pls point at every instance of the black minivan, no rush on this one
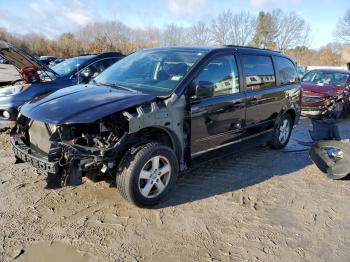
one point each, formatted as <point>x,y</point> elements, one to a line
<point>147,117</point>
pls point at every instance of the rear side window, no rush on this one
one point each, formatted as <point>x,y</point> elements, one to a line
<point>285,70</point>
<point>258,72</point>
<point>222,72</point>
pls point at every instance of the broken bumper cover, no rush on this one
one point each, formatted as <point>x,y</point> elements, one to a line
<point>35,158</point>
<point>314,111</point>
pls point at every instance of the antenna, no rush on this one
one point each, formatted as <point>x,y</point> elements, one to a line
<point>76,65</point>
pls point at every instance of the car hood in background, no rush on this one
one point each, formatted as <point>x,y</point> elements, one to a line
<point>19,58</point>
<point>82,104</point>
<point>322,90</point>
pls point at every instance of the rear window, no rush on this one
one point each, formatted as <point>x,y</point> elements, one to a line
<point>285,70</point>
<point>258,72</point>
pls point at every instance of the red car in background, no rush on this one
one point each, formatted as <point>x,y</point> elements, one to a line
<point>325,92</point>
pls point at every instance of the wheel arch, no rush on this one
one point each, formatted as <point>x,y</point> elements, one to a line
<point>163,136</point>
<point>292,114</point>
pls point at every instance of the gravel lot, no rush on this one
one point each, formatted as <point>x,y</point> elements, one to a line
<point>246,204</point>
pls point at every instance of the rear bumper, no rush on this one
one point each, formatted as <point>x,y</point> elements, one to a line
<point>35,158</point>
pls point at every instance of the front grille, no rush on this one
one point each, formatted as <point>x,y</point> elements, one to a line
<point>312,99</point>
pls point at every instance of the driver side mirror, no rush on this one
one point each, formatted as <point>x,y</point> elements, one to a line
<point>204,89</point>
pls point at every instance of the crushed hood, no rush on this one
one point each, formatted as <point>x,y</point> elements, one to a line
<point>19,58</point>
<point>322,90</point>
<point>82,104</point>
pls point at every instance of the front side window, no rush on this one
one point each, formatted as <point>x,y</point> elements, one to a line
<point>223,73</point>
<point>98,67</point>
<point>285,70</point>
<point>150,71</point>
<point>258,72</point>
<point>70,66</point>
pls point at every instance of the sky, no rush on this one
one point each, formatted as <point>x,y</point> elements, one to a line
<point>50,17</point>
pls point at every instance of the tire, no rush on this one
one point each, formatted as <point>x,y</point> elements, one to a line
<point>339,110</point>
<point>140,179</point>
<point>280,140</point>
<point>18,160</point>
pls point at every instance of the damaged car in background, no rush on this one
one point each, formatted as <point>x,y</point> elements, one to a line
<point>325,93</point>
<point>36,78</point>
<point>145,118</point>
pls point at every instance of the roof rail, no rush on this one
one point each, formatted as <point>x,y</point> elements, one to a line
<point>109,52</point>
<point>251,47</point>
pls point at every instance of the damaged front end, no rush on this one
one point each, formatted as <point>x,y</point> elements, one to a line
<point>70,150</point>
<point>74,150</point>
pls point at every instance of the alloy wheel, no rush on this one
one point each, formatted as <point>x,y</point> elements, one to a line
<point>154,176</point>
<point>284,131</point>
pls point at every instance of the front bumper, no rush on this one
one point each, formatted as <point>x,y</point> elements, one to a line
<point>35,158</point>
<point>314,111</point>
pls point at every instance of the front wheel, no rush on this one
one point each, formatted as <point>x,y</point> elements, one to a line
<point>339,110</point>
<point>282,132</point>
<point>147,174</point>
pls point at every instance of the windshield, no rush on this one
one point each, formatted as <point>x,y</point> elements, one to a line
<point>70,65</point>
<point>326,78</point>
<point>150,71</point>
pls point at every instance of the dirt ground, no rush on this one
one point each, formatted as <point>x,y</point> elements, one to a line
<point>247,204</point>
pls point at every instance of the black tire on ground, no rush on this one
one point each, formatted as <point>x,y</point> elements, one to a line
<point>18,160</point>
<point>284,123</point>
<point>339,110</point>
<point>53,181</point>
<point>129,180</point>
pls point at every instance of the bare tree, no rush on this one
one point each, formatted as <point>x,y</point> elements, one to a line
<point>68,45</point>
<point>242,28</point>
<point>199,34</point>
<point>36,43</point>
<point>342,31</point>
<point>220,28</point>
<point>111,35</point>
<point>174,35</point>
<point>292,30</point>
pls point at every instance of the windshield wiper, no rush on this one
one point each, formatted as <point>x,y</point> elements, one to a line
<point>115,85</point>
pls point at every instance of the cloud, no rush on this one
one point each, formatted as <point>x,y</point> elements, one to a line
<point>187,9</point>
<point>273,3</point>
<point>74,11</point>
<point>78,15</point>
<point>48,17</point>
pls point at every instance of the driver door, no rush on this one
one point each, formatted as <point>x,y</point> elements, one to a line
<point>219,119</point>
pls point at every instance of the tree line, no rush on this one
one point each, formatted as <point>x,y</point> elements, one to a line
<point>286,32</point>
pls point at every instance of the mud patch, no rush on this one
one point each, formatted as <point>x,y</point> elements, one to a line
<point>54,252</point>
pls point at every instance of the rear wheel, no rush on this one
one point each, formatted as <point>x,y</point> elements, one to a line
<point>282,132</point>
<point>147,174</point>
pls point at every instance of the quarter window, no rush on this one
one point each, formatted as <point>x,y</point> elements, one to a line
<point>223,73</point>
<point>285,70</point>
<point>258,72</point>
